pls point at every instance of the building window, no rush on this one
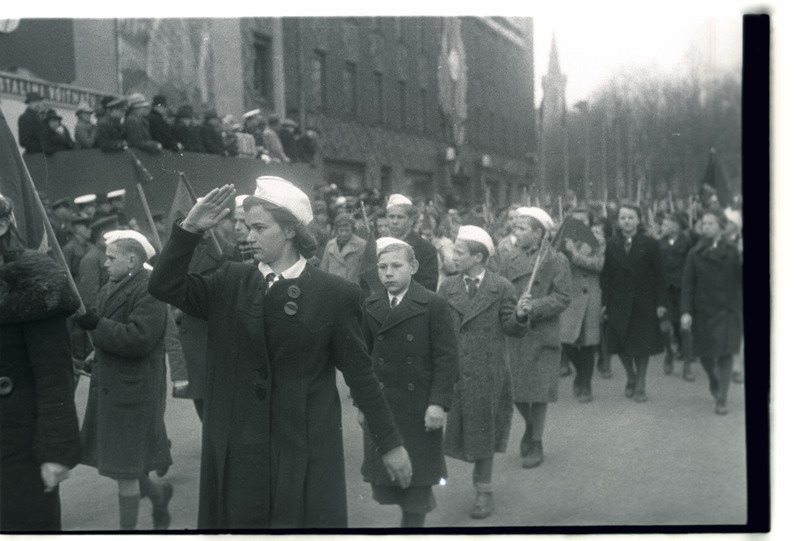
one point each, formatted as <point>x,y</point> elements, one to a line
<point>262,69</point>
<point>403,105</point>
<point>318,82</point>
<point>349,89</point>
<point>379,109</point>
<point>425,124</point>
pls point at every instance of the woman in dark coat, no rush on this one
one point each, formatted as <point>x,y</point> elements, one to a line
<point>123,432</point>
<point>712,304</point>
<point>38,423</point>
<point>272,453</point>
<point>633,298</point>
<point>55,136</point>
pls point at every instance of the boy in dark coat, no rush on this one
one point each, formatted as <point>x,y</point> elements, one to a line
<point>409,333</point>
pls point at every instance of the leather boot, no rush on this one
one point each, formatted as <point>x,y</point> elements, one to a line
<point>484,504</point>
<point>161,517</point>
<point>687,372</point>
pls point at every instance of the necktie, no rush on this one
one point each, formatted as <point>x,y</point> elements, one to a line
<point>628,243</point>
<point>271,278</point>
<point>394,302</point>
<point>471,286</point>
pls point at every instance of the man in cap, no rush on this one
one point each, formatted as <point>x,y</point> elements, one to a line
<point>186,132</point>
<point>78,245</point>
<point>483,308</point>
<point>401,217</point>
<point>272,449</point>
<point>535,357</point>
<point>31,123</point>
<point>87,205</point>
<point>254,125</point>
<point>123,433</point>
<point>272,145</point>
<point>211,134</point>
<point>137,125</point>
<point>343,252</point>
<point>61,219</point>
<point>117,200</point>
<point>91,271</point>
<point>110,131</point>
<point>85,131</point>
<point>55,136</point>
<point>160,128</point>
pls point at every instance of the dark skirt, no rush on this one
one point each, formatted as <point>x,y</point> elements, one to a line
<point>418,500</point>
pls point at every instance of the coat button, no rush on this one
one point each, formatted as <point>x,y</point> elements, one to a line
<point>382,385</point>
<point>409,338</point>
<point>585,290</point>
<point>380,337</point>
<point>409,360</point>
<point>381,360</point>
<point>411,387</point>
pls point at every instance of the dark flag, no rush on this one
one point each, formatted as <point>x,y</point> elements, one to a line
<point>15,184</point>
<point>368,277</point>
<point>574,229</point>
<point>182,203</point>
<point>715,180</point>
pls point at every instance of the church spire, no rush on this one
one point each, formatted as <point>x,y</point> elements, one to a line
<point>554,60</point>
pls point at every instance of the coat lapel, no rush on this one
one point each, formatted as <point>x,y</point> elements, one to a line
<point>519,265</point>
<point>412,305</point>
<point>487,293</point>
<point>118,294</point>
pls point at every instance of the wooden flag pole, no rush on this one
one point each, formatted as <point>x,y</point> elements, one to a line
<point>149,215</point>
<point>365,218</point>
<point>537,265</point>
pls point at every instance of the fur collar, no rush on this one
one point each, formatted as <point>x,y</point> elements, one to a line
<point>33,287</point>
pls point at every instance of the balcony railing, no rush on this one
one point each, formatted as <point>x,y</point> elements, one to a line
<point>56,93</point>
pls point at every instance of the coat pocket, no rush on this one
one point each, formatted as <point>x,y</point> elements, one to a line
<point>130,391</point>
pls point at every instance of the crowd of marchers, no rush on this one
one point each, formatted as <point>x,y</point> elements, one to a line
<point>442,320</point>
<point>117,123</point>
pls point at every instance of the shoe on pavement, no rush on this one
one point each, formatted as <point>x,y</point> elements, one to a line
<point>585,397</point>
<point>483,506</point>
<point>161,516</point>
<point>565,370</point>
<point>535,457</point>
<point>629,389</point>
<point>721,409</point>
<point>668,364</point>
<point>640,396</point>
<point>687,372</point>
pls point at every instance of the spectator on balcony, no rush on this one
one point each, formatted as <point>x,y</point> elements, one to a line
<point>185,132</point>
<point>110,131</point>
<point>307,144</point>
<point>31,124</point>
<point>85,131</point>
<point>289,137</point>
<point>272,145</point>
<point>230,135</point>
<point>160,128</point>
<point>254,125</point>
<point>211,134</point>
<point>137,125</point>
<point>55,137</point>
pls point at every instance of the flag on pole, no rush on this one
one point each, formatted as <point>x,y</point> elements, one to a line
<point>182,203</point>
<point>369,280</point>
<point>15,185</point>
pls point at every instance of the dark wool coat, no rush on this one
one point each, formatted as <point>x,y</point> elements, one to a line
<point>110,135</point>
<point>272,451</point>
<point>92,276</point>
<point>194,331</point>
<point>712,292</point>
<point>212,139</point>
<point>123,432</point>
<point>478,425</point>
<point>188,136</point>
<point>31,128</point>
<point>579,323</point>
<point>415,356</point>
<point>535,357</point>
<point>427,256</point>
<point>38,421</point>
<point>674,256</point>
<point>633,287</point>
<point>54,141</point>
<point>137,134</point>
<point>161,131</point>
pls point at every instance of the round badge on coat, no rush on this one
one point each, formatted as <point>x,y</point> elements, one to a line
<point>291,308</point>
<point>293,292</point>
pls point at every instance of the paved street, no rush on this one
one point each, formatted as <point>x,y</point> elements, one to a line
<point>670,461</point>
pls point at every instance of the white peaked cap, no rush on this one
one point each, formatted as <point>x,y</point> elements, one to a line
<point>83,199</point>
<point>732,215</point>
<point>383,242</point>
<point>116,193</point>
<point>119,234</point>
<point>285,195</point>
<point>476,234</point>
<point>254,112</point>
<point>539,214</point>
<point>398,199</point>
<point>240,200</point>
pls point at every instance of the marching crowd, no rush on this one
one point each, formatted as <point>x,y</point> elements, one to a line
<point>152,126</point>
<point>442,322</point>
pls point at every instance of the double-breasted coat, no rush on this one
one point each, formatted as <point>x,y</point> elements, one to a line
<point>712,292</point>
<point>38,421</point>
<point>674,253</point>
<point>272,453</point>
<point>580,322</point>
<point>345,262</point>
<point>123,433</point>
<point>415,357</point>
<point>535,357</point>
<point>633,287</point>
<point>478,424</point>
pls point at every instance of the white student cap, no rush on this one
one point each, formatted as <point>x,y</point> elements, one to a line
<point>254,112</point>
<point>116,193</point>
<point>397,199</point>
<point>85,199</point>
<point>240,200</point>
<point>539,214</point>
<point>383,242</point>
<point>476,234</point>
<point>113,236</point>
<point>285,195</point>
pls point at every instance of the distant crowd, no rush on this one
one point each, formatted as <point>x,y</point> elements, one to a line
<point>118,123</point>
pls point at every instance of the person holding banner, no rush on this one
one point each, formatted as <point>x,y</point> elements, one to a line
<point>541,278</point>
<point>39,434</point>
<point>633,298</point>
<point>272,452</point>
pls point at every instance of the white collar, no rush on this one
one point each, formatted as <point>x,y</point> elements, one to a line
<point>479,277</point>
<point>293,271</point>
